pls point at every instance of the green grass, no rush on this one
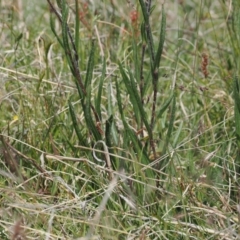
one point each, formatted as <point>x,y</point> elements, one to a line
<point>120,122</point>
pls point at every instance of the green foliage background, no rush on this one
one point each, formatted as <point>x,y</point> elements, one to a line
<point>119,121</point>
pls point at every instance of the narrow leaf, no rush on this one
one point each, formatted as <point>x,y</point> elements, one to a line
<point>164,106</point>
<point>81,139</point>
<point>108,137</point>
<point>236,95</point>
<point>77,23</point>
<point>64,25</point>
<point>136,100</point>
<point>161,42</point>
<point>170,126</point>
<point>88,116</point>
<point>54,31</point>
<point>90,66</point>
<point>130,135</point>
<point>100,88</point>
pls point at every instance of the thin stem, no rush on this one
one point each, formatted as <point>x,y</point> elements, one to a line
<point>142,80</point>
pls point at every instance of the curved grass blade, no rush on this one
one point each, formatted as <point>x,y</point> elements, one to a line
<point>170,129</point>
<point>86,102</point>
<point>80,137</point>
<point>130,136</point>
<point>236,95</point>
<point>144,11</point>
<point>109,99</point>
<point>88,116</point>
<point>161,42</point>
<point>175,141</point>
<point>77,23</point>
<point>64,24</point>
<point>109,123</point>
<point>136,60</point>
<point>134,96</point>
<point>110,112</point>
<point>90,66</point>
<point>171,122</point>
<point>100,87</point>
<point>149,37</point>
<point>164,106</point>
<point>130,86</point>
<point>108,137</point>
<point>54,31</point>
<point>66,46</point>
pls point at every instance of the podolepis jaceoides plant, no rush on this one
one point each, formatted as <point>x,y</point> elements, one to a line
<point>136,82</point>
<point>116,126</point>
<point>142,84</point>
<point>139,137</point>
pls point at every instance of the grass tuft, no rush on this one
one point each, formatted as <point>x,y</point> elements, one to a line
<point>119,121</point>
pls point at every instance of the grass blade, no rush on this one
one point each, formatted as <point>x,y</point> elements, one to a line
<point>66,46</point>
<point>149,37</point>
<point>164,106</point>
<point>88,116</point>
<point>90,67</point>
<point>77,23</point>
<point>54,31</point>
<point>87,106</point>
<point>170,130</point>
<point>161,42</point>
<point>130,135</point>
<point>80,137</point>
<point>236,95</point>
<point>98,100</point>
<point>108,137</point>
<point>171,122</point>
<point>135,98</point>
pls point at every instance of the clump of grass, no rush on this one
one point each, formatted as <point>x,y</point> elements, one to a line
<point>120,122</point>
